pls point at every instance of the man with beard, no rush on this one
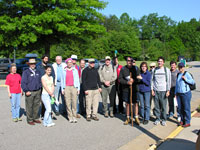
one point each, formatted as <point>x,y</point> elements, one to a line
<point>41,69</point>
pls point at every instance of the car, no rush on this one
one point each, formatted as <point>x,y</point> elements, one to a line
<point>96,63</point>
<point>22,63</point>
<point>4,63</point>
<point>101,62</point>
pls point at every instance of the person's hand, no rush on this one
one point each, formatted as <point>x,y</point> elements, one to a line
<point>78,92</point>
<point>86,92</point>
<point>129,83</point>
<point>9,95</point>
<point>183,77</point>
<point>28,93</point>
<point>107,83</point>
<point>139,77</point>
<point>63,92</point>
<point>22,93</point>
<point>100,90</point>
<point>153,93</point>
<point>132,80</point>
<point>167,94</point>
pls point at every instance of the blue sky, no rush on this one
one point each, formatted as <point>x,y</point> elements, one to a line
<point>177,10</point>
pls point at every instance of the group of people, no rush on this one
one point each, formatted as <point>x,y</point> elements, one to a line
<point>80,87</point>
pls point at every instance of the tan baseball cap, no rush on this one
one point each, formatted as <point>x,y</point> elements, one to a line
<point>91,60</point>
<point>32,61</point>
<point>153,64</point>
<point>107,57</point>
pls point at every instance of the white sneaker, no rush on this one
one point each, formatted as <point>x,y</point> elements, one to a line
<point>157,122</point>
<point>163,123</point>
<point>52,124</point>
<point>71,121</point>
<point>74,120</point>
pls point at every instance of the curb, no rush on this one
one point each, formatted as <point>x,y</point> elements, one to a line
<point>171,136</point>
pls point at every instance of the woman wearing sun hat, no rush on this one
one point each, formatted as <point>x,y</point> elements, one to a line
<point>70,86</point>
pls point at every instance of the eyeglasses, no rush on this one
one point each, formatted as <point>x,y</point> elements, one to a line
<point>152,67</point>
<point>130,60</point>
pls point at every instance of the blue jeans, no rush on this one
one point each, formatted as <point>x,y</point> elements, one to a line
<point>15,104</point>
<point>46,99</point>
<point>144,98</point>
<point>183,100</point>
<point>58,92</point>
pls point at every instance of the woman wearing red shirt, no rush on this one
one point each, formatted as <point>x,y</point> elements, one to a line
<point>13,82</point>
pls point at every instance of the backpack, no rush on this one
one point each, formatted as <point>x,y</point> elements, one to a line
<point>104,65</point>
<point>192,86</point>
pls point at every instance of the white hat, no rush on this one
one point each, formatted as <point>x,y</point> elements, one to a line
<point>153,64</point>
<point>32,61</point>
<point>74,57</point>
<point>107,57</point>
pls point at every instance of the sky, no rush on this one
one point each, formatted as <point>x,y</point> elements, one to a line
<point>177,10</point>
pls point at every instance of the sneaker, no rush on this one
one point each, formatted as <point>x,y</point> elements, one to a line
<point>74,120</point>
<point>106,114</point>
<point>186,125</point>
<point>78,116</point>
<point>88,119</point>
<point>19,119</point>
<point>52,124</point>
<point>145,122</point>
<point>111,114</point>
<point>127,121</point>
<point>71,120</point>
<point>170,115</point>
<point>137,121</point>
<point>157,122</point>
<point>57,113</point>
<point>15,120</point>
<point>163,123</point>
<point>179,119</point>
<point>95,118</point>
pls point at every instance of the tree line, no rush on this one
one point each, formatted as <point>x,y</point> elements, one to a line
<point>65,27</point>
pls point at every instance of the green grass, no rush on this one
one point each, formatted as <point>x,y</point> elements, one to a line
<point>148,62</point>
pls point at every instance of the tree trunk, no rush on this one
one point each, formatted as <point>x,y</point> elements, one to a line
<point>47,49</point>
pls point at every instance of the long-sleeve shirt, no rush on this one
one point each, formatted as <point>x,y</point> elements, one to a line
<point>41,69</point>
<point>31,80</point>
<point>108,73</point>
<point>145,83</point>
<point>90,79</point>
<point>58,69</point>
<point>181,86</point>
<point>159,81</point>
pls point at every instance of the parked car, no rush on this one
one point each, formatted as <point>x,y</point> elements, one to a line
<point>101,62</point>
<point>96,63</point>
<point>22,63</point>
<point>4,63</point>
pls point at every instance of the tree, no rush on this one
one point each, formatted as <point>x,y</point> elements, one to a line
<point>34,24</point>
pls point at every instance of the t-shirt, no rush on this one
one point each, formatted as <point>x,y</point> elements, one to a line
<point>173,78</point>
<point>14,82</point>
<point>69,78</point>
<point>49,83</point>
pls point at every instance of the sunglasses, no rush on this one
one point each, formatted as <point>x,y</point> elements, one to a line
<point>130,60</point>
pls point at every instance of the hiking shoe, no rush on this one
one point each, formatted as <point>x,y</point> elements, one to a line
<point>15,120</point>
<point>111,114</point>
<point>137,121</point>
<point>179,119</point>
<point>163,123</point>
<point>106,115</point>
<point>145,122</point>
<point>157,122</point>
<point>19,119</point>
<point>127,121</point>
<point>186,125</point>
<point>88,119</point>
<point>71,120</point>
<point>95,118</point>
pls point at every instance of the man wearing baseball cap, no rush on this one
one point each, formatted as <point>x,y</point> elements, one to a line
<point>31,85</point>
<point>108,76</point>
<point>92,87</point>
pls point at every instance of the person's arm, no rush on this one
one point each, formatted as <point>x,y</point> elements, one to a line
<point>84,79</point>
<point>98,80</point>
<point>24,82</point>
<point>53,74</point>
<point>46,88</point>
<point>101,75</point>
<point>169,79</point>
<point>152,82</point>
<point>189,79</point>
<point>147,80</point>
<point>121,78</point>
<point>8,86</point>
<point>114,77</point>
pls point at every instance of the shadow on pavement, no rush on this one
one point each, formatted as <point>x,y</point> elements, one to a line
<point>177,144</point>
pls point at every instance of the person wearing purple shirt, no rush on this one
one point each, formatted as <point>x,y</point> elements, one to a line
<point>144,92</point>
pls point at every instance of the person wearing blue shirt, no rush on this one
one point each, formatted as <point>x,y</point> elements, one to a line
<point>144,92</point>
<point>31,85</point>
<point>184,95</point>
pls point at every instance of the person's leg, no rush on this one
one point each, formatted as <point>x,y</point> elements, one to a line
<point>120,105</point>
<point>171,103</point>
<point>74,101</point>
<point>68,101</point>
<point>178,97</point>
<point>163,102</point>
<point>47,103</point>
<point>141,98</point>
<point>104,100</point>
<point>82,100</point>
<point>57,95</point>
<point>13,101</point>
<point>18,99</point>
<point>147,105</point>
<point>186,107</point>
<point>95,102</point>
<point>157,106</point>
<point>36,104</point>
<point>29,107</point>
<point>89,103</point>
<point>112,94</point>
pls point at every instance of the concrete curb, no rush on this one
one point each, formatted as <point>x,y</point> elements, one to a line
<point>171,136</point>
